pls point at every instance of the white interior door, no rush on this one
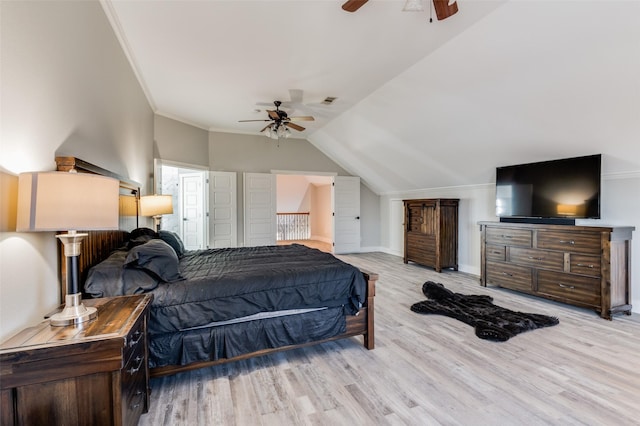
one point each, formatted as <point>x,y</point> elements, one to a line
<point>222,210</point>
<point>259,209</point>
<point>346,214</point>
<point>192,224</point>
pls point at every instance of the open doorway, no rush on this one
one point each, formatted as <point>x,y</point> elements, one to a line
<point>304,210</point>
<point>188,187</point>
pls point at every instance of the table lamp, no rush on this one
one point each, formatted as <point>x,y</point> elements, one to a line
<point>68,201</point>
<point>156,206</point>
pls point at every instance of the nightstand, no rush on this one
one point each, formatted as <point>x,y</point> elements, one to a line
<point>95,373</point>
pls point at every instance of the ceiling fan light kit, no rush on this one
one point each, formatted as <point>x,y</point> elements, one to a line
<point>280,123</point>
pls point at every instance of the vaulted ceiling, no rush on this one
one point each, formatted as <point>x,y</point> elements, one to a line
<point>419,104</point>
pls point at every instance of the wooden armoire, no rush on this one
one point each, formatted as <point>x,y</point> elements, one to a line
<point>431,232</point>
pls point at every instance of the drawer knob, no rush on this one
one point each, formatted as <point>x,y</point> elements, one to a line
<point>140,396</point>
<point>135,369</point>
<point>584,265</point>
<point>568,242</point>
<point>566,286</point>
<point>135,338</point>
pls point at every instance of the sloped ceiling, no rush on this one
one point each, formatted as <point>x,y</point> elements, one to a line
<point>419,105</point>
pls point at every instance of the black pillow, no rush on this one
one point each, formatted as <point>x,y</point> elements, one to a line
<point>173,240</point>
<point>138,240</point>
<point>138,232</point>
<point>156,257</point>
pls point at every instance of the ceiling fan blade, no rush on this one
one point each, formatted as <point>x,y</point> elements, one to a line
<point>265,127</point>
<point>246,121</point>
<point>353,5</point>
<point>302,118</point>
<point>294,126</point>
<point>444,9</point>
<point>274,115</point>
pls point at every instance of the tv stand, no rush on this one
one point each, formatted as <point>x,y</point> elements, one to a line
<point>540,220</point>
<point>585,266</point>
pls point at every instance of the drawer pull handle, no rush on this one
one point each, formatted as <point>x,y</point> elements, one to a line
<point>568,242</point>
<point>507,274</point>
<point>135,338</point>
<point>507,236</point>
<point>496,252</point>
<point>566,286</point>
<point>140,394</point>
<point>536,258</point>
<point>585,265</point>
<point>135,369</point>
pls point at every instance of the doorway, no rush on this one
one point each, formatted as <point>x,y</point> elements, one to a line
<point>304,210</point>
<point>188,187</point>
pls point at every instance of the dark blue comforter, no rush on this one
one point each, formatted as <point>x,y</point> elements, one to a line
<point>222,284</point>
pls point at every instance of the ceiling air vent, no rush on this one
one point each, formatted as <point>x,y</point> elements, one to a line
<point>329,100</point>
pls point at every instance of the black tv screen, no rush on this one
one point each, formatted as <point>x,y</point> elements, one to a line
<point>566,188</point>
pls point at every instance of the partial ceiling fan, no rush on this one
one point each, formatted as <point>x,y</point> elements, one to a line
<point>444,8</point>
<point>280,122</point>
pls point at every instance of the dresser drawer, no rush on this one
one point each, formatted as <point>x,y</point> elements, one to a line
<point>569,241</point>
<point>568,287</point>
<point>509,237</point>
<point>509,276</point>
<point>584,264</point>
<point>553,260</point>
<point>495,253</point>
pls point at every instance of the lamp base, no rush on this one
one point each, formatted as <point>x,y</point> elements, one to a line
<point>74,312</point>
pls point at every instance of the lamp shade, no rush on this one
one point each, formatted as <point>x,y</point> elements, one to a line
<point>155,205</point>
<point>58,201</point>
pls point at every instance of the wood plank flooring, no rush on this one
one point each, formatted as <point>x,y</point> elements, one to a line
<point>425,370</point>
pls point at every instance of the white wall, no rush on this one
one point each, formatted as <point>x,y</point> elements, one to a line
<point>67,89</point>
<point>294,194</point>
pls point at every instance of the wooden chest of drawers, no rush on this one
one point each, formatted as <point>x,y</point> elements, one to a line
<point>95,373</point>
<point>431,232</point>
<point>585,266</point>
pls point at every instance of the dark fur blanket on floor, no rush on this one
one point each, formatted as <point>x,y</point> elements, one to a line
<point>490,321</point>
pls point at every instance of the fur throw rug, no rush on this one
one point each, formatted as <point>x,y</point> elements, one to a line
<point>490,321</point>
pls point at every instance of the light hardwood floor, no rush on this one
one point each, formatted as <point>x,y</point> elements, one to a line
<point>425,370</point>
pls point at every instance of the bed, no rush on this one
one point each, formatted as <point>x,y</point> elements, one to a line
<point>220,305</point>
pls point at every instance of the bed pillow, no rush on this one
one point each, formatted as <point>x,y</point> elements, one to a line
<point>156,257</point>
<point>173,240</point>
<point>110,278</point>
<point>133,242</point>
<point>138,232</point>
<point>105,278</point>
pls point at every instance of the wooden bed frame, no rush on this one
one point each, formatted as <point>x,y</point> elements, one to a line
<point>99,244</point>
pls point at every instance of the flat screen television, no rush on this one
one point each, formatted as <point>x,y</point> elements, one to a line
<point>557,191</point>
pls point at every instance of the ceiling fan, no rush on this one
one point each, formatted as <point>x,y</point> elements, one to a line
<point>444,8</point>
<point>280,122</point>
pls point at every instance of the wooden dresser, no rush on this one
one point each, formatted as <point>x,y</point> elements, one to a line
<point>585,266</point>
<point>431,232</point>
<point>95,373</point>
